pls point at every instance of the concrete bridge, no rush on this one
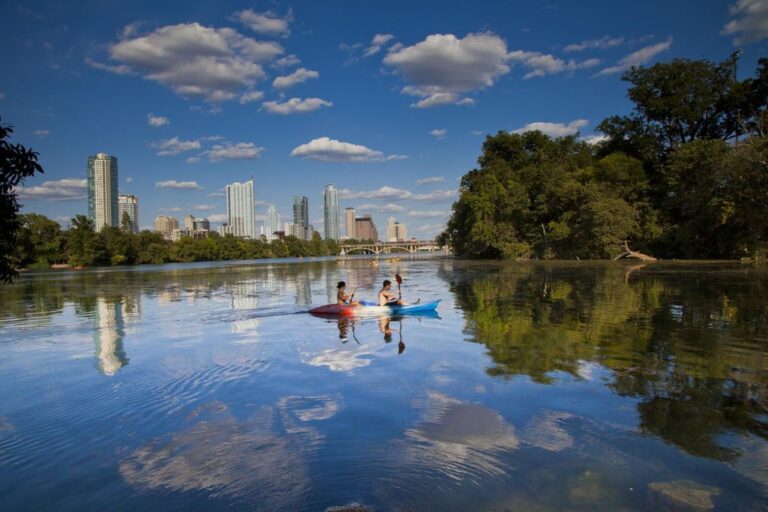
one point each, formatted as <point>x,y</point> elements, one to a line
<point>407,246</point>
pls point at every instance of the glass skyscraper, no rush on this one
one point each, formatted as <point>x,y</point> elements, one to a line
<point>129,204</point>
<point>301,216</point>
<point>331,212</point>
<point>271,222</point>
<point>241,216</point>
<point>103,208</point>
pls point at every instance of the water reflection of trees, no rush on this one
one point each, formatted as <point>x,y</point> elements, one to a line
<point>690,347</point>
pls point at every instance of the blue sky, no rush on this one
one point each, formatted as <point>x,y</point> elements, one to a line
<point>389,101</point>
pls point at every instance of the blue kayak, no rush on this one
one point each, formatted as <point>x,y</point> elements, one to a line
<point>410,308</point>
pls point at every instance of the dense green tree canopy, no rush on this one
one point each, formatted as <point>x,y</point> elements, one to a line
<point>684,175</point>
<point>16,164</point>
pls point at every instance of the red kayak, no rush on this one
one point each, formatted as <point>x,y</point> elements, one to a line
<point>335,310</point>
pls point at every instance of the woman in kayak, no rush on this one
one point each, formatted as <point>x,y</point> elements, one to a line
<point>341,296</point>
<point>387,298</point>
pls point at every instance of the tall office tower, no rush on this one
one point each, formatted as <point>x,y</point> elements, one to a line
<point>271,222</point>
<point>101,172</point>
<point>396,232</point>
<point>349,219</point>
<point>391,235</point>
<point>128,204</point>
<point>201,224</point>
<point>189,223</point>
<point>301,216</point>
<point>331,213</point>
<point>166,226</point>
<point>401,232</point>
<point>241,216</point>
<point>366,229</point>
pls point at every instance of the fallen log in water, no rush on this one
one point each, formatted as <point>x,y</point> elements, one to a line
<point>630,254</point>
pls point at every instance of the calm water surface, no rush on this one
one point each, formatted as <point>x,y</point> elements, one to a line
<point>536,387</point>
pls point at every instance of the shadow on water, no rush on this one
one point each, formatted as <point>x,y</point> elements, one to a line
<point>689,343</point>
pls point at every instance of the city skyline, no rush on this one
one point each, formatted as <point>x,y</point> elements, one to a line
<point>392,108</point>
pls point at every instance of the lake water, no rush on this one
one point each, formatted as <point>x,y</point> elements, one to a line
<point>573,386</point>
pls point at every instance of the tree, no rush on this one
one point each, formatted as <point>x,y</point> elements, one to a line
<point>84,248</point>
<point>39,241</point>
<point>16,164</point>
<point>126,224</point>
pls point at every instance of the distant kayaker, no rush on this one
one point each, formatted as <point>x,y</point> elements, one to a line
<point>342,297</point>
<point>387,298</point>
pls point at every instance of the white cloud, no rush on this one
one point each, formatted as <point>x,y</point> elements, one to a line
<point>250,97</point>
<point>204,207</point>
<point>120,69</point>
<point>393,193</point>
<point>230,151</point>
<point>287,61</point>
<point>595,139</point>
<point>331,150</point>
<point>153,120</point>
<point>297,77</point>
<point>385,208</point>
<point>180,185</point>
<point>554,129</point>
<point>194,60</point>
<point>476,132</point>
<point>129,179</point>
<point>541,64</point>
<point>296,105</point>
<point>442,66</point>
<point>173,209</point>
<point>440,99</point>
<point>217,217</point>
<point>67,189</point>
<point>267,23</point>
<point>219,193</point>
<point>431,179</point>
<point>430,228</point>
<point>751,23</point>
<point>378,41</point>
<point>41,133</point>
<point>638,58</point>
<point>193,159</point>
<point>595,44</point>
<point>439,133</point>
<point>174,146</point>
<point>428,214</point>
<point>397,157</point>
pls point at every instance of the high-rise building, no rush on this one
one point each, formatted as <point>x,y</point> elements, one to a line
<point>101,172</point>
<point>128,204</point>
<point>166,226</point>
<point>201,224</point>
<point>189,223</point>
<point>401,232</point>
<point>366,229</point>
<point>301,216</point>
<point>396,232</point>
<point>349,220</point>
<point>241,216</point>
<point>331,212</point>
<point>271,222</point>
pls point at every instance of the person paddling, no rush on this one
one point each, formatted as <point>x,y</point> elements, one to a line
<point>387,298</point>
<point>342,297</point>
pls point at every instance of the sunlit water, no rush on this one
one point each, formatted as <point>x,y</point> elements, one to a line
<point>535,387</point>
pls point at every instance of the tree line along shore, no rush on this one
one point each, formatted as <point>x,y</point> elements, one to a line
<point>684,175</point>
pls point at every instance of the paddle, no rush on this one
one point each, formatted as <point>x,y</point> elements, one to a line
<point>399,282</point>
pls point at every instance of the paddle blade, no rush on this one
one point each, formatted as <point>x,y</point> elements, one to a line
<point>398,279</point>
